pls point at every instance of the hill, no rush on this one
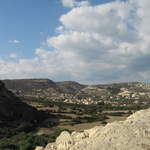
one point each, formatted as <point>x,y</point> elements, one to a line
<point>28,85</point>
<point>14,113</point>
<point>37,88</point>
<point>43,88</point>
<point>70,87</point>
<point>73,92</point>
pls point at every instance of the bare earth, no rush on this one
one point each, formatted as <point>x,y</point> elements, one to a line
<point>79,127</point>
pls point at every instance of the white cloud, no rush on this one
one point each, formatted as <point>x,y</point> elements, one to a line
<point>74,3</point>
<point>14,41</point>
<point>110,19</point>
<point>103,43</point>
<point>13,55</point>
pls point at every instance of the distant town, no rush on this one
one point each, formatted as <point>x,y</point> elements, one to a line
<point>122,94</point>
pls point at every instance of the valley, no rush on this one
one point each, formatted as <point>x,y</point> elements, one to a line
<point>66,106</point>
<point>77,117</point>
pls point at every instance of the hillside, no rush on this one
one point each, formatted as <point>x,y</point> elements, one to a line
<point>131,134</point>
<point>73,92</point>
<point>13,112</point>
<point>70,87</point>
<point>43,88</point>
<point>38,88</point>
<point>28,85</point>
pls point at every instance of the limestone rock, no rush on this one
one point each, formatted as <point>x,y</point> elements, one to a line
<point>39,148</point>
<point>51,146</point>
<point>131,134</point>
<point>64,141</point>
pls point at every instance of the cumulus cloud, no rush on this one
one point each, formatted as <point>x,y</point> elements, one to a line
<point>14,41</point>
<point>95,44</point>
<point>13,55</point>
<point>109,20</point>
<point>74,3</point>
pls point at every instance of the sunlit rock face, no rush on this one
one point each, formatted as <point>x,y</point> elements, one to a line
<point>39,148</point>
<point>131,134</point>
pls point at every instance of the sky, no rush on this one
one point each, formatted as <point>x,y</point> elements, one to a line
<point>88,41</point>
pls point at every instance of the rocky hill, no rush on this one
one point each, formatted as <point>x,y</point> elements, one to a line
<point>70,87</point>
<point>131,134</point>
<point>13,112</point>
<point>73,92</point>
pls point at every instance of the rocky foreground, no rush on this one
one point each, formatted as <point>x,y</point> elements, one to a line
<point>131,134</point>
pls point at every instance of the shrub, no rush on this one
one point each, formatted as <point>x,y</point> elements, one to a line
<point>25,127</point>
<point>41,140</point>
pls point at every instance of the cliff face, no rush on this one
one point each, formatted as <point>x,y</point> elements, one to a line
<point>132,134</point>
<point>13,111</point>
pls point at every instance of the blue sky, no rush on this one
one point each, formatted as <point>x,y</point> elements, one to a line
<point>89,41</point>
<point>29,21</point>
<point>25,20</point>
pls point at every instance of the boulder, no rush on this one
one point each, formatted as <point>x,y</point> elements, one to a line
<point>131,134</point>
<point>39,148</point>
<point>64,141</point>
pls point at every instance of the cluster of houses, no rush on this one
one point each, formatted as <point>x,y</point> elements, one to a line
<point>134,93</point>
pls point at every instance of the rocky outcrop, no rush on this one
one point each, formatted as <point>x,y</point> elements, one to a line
<point>131,134</point>
<point>39,148</point>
